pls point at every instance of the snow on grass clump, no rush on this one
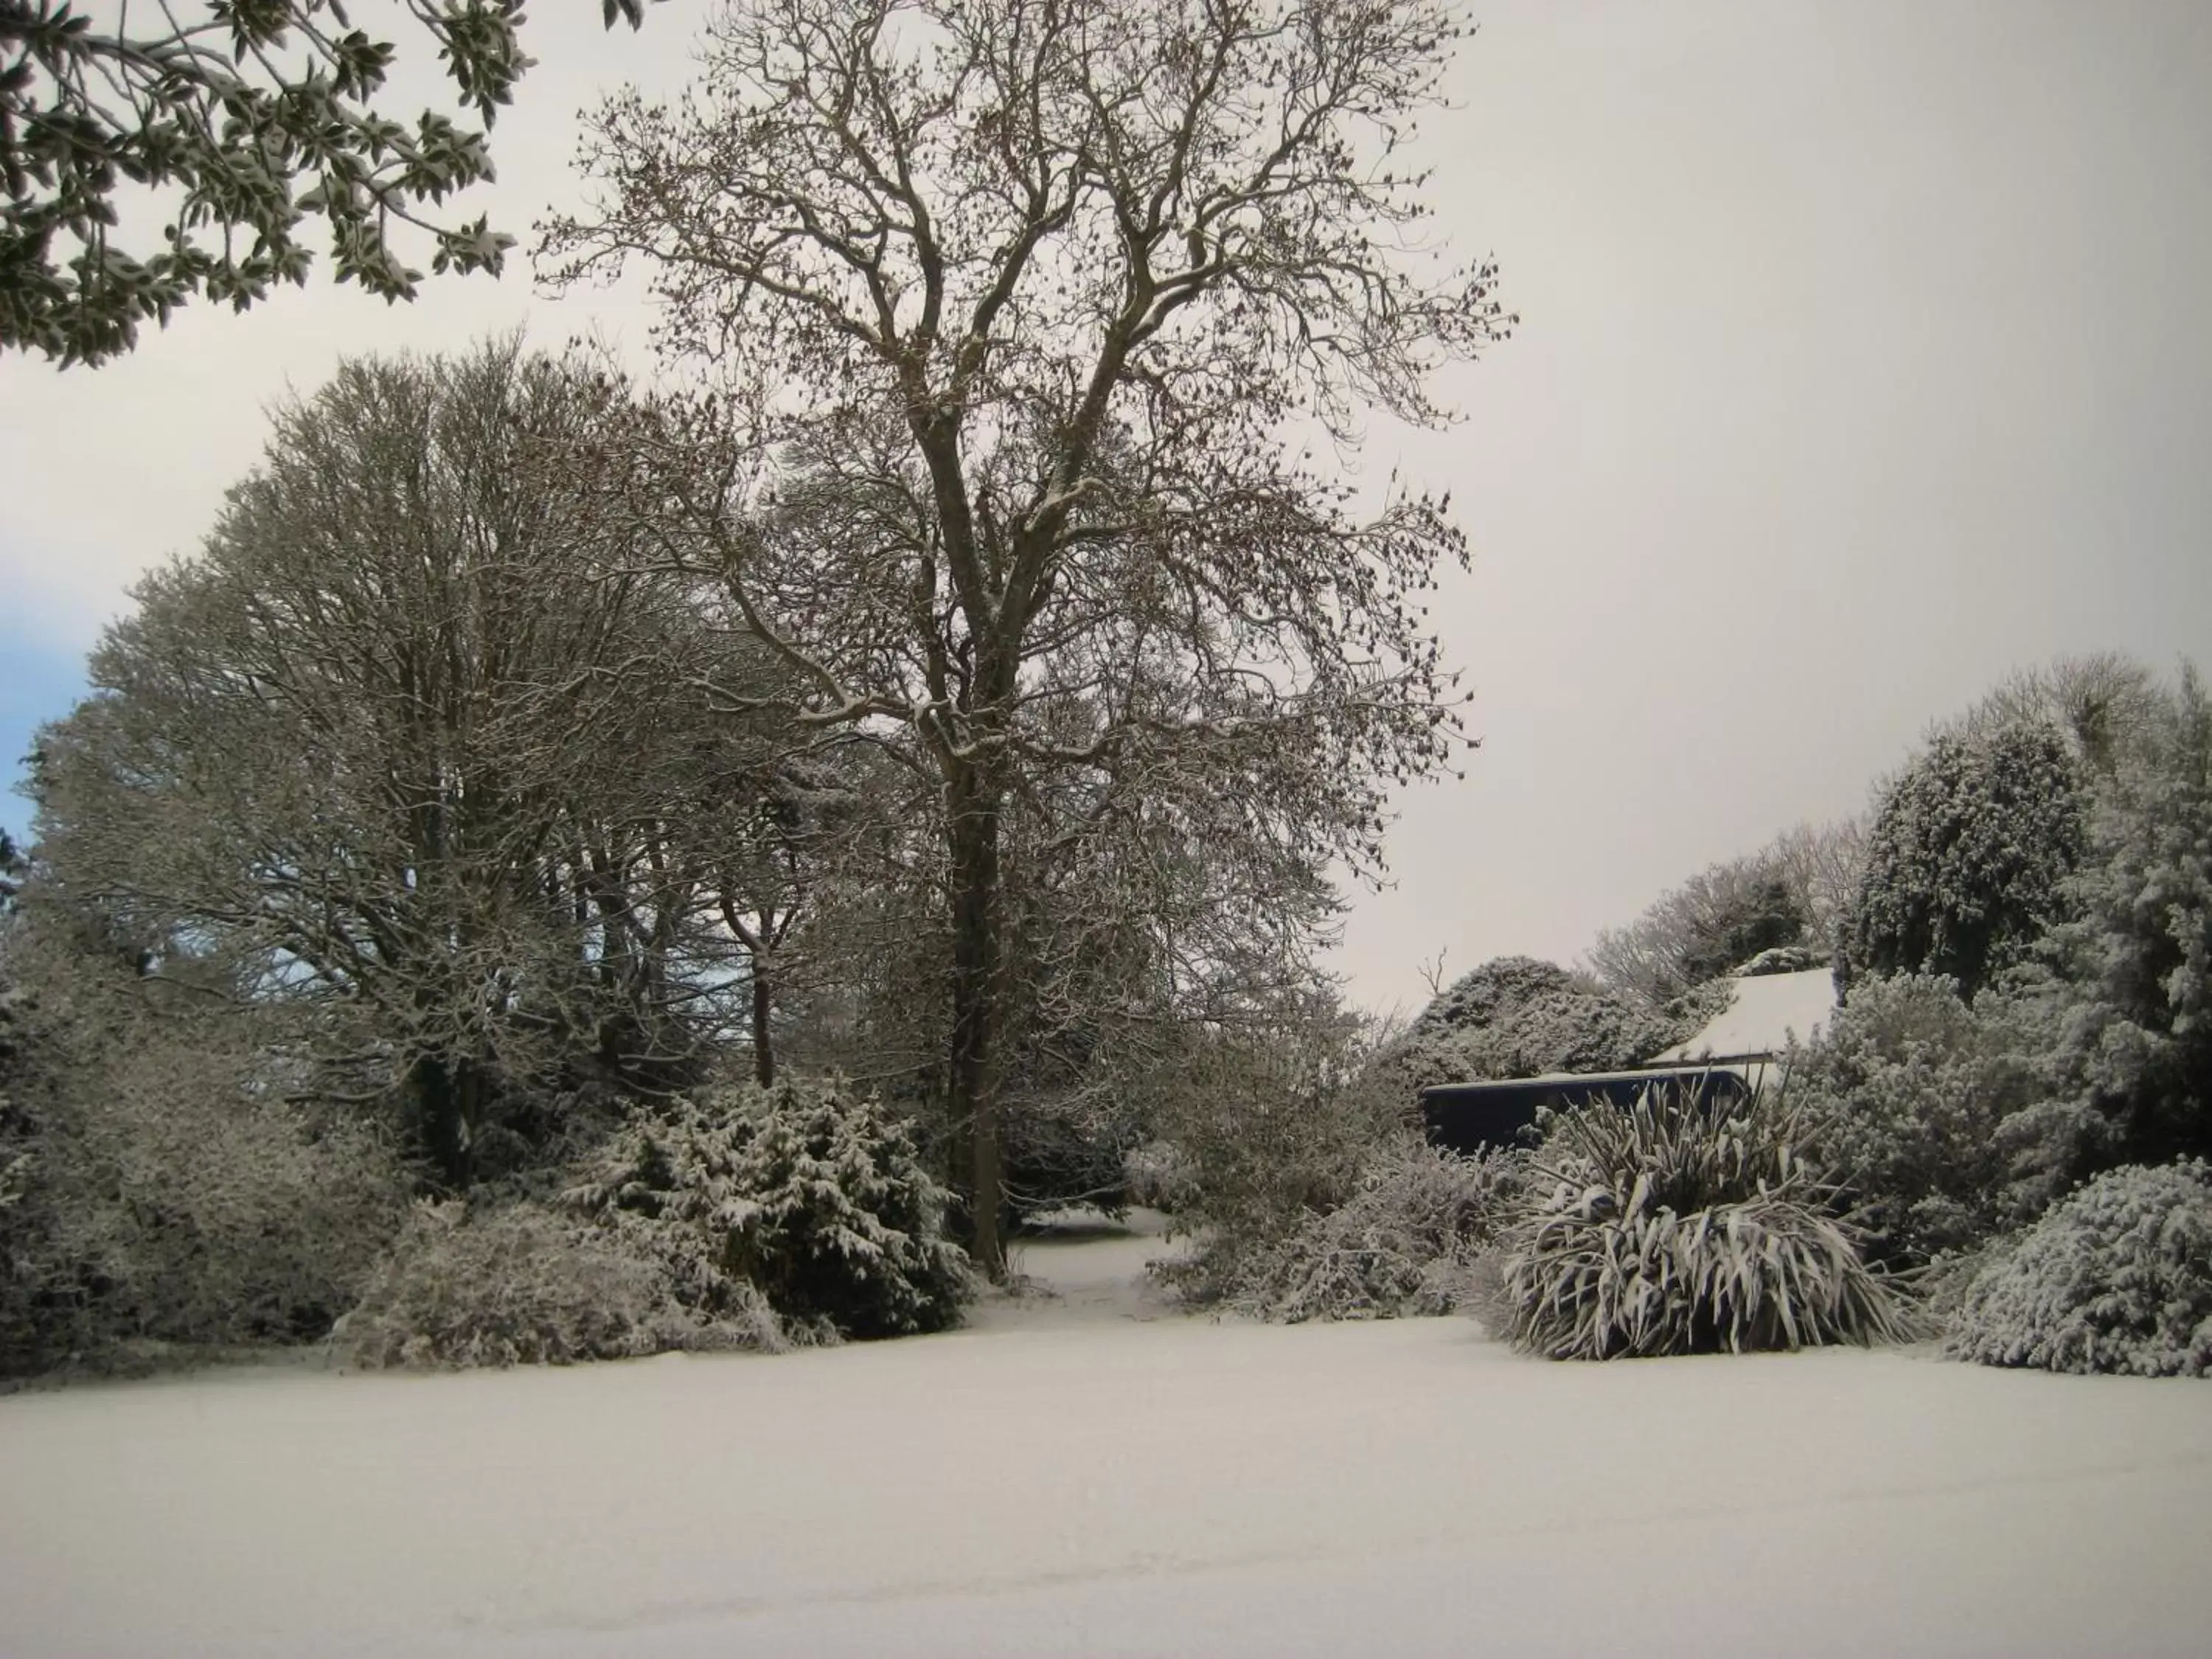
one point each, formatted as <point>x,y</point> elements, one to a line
<point>2117,1277</point>
<point>1669,1229</point>
<point>1401,1245</point>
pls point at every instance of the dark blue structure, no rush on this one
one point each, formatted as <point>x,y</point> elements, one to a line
<point>1466,1117</point>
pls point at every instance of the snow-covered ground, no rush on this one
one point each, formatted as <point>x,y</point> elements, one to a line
<point>1095,1474</point>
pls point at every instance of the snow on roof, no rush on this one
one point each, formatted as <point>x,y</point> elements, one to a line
<point>1657,1068</point>
<point>1765,1014</point>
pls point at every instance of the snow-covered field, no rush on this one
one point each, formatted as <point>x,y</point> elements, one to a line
<point>1095,1474</point>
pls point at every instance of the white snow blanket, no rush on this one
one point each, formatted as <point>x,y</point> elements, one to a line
<point>1096,1475</point>
<point>1765,1016</point>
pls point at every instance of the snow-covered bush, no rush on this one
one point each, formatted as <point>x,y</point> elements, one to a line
<point>2118,1277</point>
<point>1517,1017</point>
<point>1905,1105</point>
<point>1400,1245</point>
<point>164,1196</point>
<point>813,1195</point>
<point>520,1284</point>
<point>1271,1126</point>
<point>1667,1229</point>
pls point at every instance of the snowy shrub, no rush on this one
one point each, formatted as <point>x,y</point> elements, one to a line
<point>1268,1128</point>
<point>1781,959</point>
<point>2117,1278</point>
<point>1158,1176</point>
<point>1666,1228</point>
<point>1400,1245</point>
<point>814,1196</point>
<point>520,1284</point>
<point>1517,1017</point>
<point>165,1198</point>
<point>1906,1112</point>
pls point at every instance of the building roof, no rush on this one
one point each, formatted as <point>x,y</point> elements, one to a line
<point>1765,1015</point>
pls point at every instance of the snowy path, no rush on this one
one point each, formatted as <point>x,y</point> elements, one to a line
<point>1094,1474</point>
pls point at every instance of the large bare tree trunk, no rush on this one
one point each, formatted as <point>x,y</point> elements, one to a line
<point>976,950</point>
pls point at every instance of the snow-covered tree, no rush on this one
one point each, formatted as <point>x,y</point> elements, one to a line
<point>1002,312</point>
<point>12,866</point>
<point>1914,1092</point>
<point>403,746</point>
<point>159,1184</point>
<point>2103,703</point>
<point>2135,952</point>
<point>1967,857</point>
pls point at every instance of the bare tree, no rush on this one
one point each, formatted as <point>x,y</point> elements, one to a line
<point>1794,890</point>
<point>2105,703</point>
<point>1003,311</point>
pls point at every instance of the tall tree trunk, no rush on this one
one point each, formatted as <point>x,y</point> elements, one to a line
<point>975,801</point>
<point>447,1102</point>
<point>763,1051</point>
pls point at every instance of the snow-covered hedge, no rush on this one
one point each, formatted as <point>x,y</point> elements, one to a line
<point>2117,1277</point>
<point>1664,1228</point>
<point>1402,1244</point>
<point>815,1195</point>
<point>519,1283</point>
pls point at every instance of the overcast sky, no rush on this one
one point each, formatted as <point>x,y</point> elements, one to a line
<point>1864,354</point>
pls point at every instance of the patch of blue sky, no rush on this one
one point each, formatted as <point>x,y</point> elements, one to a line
<point>41,678</point>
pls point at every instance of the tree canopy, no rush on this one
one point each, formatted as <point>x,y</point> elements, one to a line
<point>405,745</point>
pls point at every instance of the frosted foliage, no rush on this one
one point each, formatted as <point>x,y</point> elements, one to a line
<point>815,1196</point>
<point>2140,945</point>
<point>1665,1230</point>
<point>1907,1110</point>
<point>1402,1244</point>
<point>1517,1017</point>
<point>520,1284</point>
<point>1966,856</point>
<point>2118,1277</point>
<point>1722,917</point>
<point>157,1192</point>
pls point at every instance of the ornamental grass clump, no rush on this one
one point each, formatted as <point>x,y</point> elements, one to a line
<point>1667,1227</point>
<point>2115,1278</point>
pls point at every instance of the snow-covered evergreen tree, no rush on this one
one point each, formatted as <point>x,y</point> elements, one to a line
<point>813,1195</point>
<point>1967,857</point>
<point>2136,949</point>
